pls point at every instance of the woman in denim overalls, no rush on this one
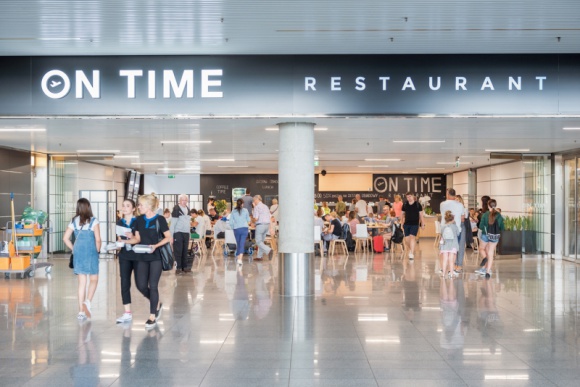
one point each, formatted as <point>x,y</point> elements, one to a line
<point>86,253</point>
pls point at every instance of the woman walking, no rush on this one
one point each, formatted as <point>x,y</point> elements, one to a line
<point>448,246</point>
<point>86,254</point>
<point>398,206</point>
<point>491,225</point>
<point>127,259</point>
<point>239,220</point>
<point>152,230</point>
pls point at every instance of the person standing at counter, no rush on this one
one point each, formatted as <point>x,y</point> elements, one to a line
<point>86,254</point>
<point>274,209</point>
<point>261,215</point>
<point>180,229</point>
<point>361,208</point>
<point>152,230</point>
<point>248,201</point>
<point>340,206</point>
<point>398,206</point>
<point>412,219</point>
<point>127,259</point>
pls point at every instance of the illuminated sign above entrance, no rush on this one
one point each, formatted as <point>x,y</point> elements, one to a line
<point>296,86</point>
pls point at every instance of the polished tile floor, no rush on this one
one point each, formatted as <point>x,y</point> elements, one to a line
<point>376,320</point>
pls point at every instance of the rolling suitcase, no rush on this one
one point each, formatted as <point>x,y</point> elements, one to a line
<point>378,245</point>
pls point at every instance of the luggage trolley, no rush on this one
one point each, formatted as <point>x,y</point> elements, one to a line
<point>29,243</point>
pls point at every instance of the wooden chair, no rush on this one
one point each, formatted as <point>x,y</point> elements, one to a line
<point>437,232</point>
<point>362,238</point>
<point>218,242</point>
<point>318,239</point>
<point>332,246</point>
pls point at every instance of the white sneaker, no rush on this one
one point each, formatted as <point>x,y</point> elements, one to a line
<point>81,316</point>
<point>126,317</point>
<point>411,256</point>
<point>87,308</point>
<point>481,271</point>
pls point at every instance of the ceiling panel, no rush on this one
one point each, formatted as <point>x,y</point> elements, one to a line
<point>151,27</point>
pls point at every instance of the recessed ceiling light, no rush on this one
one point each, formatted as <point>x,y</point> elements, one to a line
<point>186,142</point>
<point>373,166</point>
<point>419,141</point>
<point>126,156</point>
<point>22,130</point>
<point>473,156</point>
<point>217,160</point>
<point>571,128</point>
<point>178,169</point>
<point>272,129</point>
<point>97,151</point>
<point>382,159</point>
<point>146,163</point>
<point>507,150</point>
<point>321,129</point>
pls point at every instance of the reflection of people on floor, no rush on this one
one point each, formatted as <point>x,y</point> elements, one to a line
<point>240,302</point>
<point>126,373</point>
<point>86,371</point>
<point>264,291</point>
<point>411,303</point>
<point>452,338</point>
<point>489,321</point>
<point>183,298</point>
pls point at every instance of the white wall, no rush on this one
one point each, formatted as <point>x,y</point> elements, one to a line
<point>505,184</point>
<point>162,184</point>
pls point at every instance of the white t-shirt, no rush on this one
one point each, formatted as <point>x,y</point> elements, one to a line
<point>85,226</point>
<point>456,209</point>
<point>207,221</point>
<point>361,208</point>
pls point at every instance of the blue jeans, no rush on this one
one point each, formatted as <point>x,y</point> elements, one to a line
<point>328,238</point>
<point>461,251</point>
<point>261,231</point>
<point>241,234</point>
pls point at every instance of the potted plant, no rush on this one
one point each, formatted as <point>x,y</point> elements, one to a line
<point>510,242</point>
<point>220,206</point>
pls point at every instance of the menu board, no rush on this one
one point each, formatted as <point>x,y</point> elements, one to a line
<point>424,186</point>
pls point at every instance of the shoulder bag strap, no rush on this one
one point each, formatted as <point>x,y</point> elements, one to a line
<point>157,228</point>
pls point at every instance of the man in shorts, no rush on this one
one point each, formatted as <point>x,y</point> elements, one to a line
<point>412,219</point>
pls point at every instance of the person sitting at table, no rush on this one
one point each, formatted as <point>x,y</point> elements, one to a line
<point>386,229</point>
<point>318,220</point>
<point>333,231</point>
<point>370,219</point>
<point>344,218</point>
<point>386,214</point>
<point>220,227</point>
<point>352,222</point>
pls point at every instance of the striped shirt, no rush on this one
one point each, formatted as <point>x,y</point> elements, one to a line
<point>261,213</point>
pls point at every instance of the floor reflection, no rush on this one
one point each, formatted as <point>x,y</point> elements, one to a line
<point>375,319</point>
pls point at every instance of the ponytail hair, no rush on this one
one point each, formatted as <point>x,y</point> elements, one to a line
<point>150,201</point>
<point>492,204</point>
<point>449,217</point>
<point>239,206</point>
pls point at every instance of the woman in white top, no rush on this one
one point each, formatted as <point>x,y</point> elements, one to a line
<point>206,221</point>
<point>85,254</point>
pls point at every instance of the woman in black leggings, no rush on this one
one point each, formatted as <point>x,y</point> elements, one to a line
<point>127,259</point>
<point>152,230</point>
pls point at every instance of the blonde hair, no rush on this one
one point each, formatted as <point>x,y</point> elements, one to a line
<point>150,201</point>
<point>398,197</point>
<point>459,199</point>
<point>449,217</point>
<point>334,214</point>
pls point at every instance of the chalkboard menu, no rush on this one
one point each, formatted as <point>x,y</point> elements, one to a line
<point>423,186</point>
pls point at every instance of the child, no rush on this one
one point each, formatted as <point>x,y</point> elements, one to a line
<point>449,244</point>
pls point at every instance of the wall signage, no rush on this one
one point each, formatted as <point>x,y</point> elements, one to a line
<point>299,85</point>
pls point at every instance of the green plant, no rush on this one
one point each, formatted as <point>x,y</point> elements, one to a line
<point>428,211</point>
<point>220,206</point>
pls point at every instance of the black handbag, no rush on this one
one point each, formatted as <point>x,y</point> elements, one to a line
<point>71,262</point>
<point>166,252</point>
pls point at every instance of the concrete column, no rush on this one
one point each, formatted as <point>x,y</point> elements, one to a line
<point>296,224</point>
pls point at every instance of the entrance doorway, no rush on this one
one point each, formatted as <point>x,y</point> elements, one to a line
<point>571,208</point>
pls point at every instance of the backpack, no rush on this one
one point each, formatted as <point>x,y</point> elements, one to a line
<point>448,233</point>
<point>398,234</point>
<point>347,237</point>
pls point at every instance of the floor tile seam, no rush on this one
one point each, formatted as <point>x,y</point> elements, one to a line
<point>365,352</point>
<point>218,352</point>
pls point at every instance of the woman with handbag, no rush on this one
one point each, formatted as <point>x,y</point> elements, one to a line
<point>491,225</point>
<point>86,254</point>
<point>127,259</point>
<point>152,230</point>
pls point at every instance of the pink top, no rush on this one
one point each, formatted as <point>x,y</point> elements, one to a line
<point>398,207</point>
<point>352,225</point>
